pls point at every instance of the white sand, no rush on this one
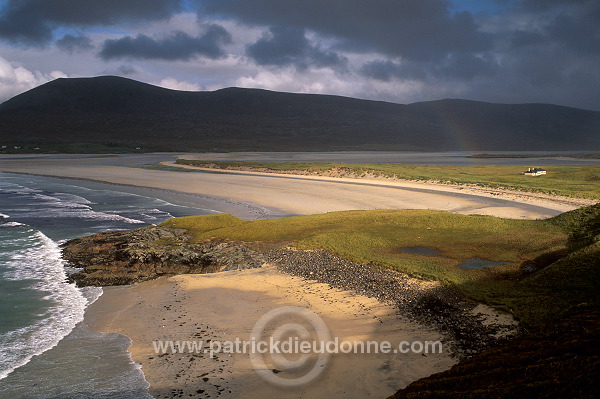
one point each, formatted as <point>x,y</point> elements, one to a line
<point>292,194</point>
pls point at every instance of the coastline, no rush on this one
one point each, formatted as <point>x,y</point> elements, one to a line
<point>241,209</point>
<point>560,202</point>
<point>207,307</point>
<point>122,304</point>
<point>259,196</point>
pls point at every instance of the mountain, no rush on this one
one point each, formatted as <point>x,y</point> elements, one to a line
<point>116,112</point>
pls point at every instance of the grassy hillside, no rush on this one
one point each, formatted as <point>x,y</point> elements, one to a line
<point>545,271</point>
<point>570,181</point>
<point>560,360</point>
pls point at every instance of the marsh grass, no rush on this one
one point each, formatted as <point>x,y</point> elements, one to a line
<point>377,237</point>
<point>569,181</point>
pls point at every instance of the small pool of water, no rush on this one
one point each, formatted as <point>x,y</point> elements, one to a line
<point>421,251</point>
<point>478,264</point>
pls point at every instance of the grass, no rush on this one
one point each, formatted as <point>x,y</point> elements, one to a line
<point>566,276</point>
<point>569,181</point>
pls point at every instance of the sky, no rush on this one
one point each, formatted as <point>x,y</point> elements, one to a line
<point>403,51</point>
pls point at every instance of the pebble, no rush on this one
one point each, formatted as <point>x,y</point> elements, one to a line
<point>438,307</point>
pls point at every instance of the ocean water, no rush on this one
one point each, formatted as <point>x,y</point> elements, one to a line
<point>44,350</point>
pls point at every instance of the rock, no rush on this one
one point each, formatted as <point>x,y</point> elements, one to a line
<point>432,304</point>
<point>122,258</point>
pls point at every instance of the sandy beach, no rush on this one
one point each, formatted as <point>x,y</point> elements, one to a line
<point>254,195</point>
<point>226,305</point>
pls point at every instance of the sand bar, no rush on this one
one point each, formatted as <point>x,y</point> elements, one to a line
<point>283,194</point>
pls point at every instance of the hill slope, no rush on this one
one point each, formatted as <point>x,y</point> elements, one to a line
<point>121,112</point>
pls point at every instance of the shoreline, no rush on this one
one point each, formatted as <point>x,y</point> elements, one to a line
<point>255,196</point>
<point>512,195</point>
<point>241,209</point>
<point>218,316</point>
<point>121,176</point>
<point>201,307</point>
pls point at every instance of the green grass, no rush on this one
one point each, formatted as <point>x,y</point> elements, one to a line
<point>568,272</point>
<point>569,181</point>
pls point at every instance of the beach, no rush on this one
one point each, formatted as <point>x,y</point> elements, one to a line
<point>255,195</point>
<point>225,306</point>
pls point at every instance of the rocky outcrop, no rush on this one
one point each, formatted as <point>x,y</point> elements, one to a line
<point>121,258</point>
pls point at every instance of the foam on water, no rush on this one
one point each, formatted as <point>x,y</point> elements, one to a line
<point>59,207</point>
<point>39,262</point>
<point>44,349</point>
<point>11,224</point>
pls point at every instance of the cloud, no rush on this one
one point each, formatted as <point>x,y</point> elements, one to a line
<point>543,5</point>
<point>554,49</point>
<point>394,50</point>
<point>283,46</point>
<point>127,69</point>
<point>386,70</point>
<point>73,44</point>
<point>327,81</point>
<point>32,22</point>
<point>412,29</point>
<point>578,28</point>
<point>461,67</point>
<point>174,84</point>
<point>178,46</point>
<point>15,80</point>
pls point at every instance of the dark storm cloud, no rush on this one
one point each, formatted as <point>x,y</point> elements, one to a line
<point>562,50</point>
<point>284,46</point>
<point>543,5</point>
<point>572,24</point>
<point>462,67</point>
<point>178,46</point>
<point>523,38</point>
<point>72,44</point>
<point>127,70</point>
<point>33,21</point>
<point>413,29</point>
<point>579,31</point>
<point>386,70</point>
<point>466,67</point>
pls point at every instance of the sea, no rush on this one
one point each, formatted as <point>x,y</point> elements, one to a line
<point>45,350</point>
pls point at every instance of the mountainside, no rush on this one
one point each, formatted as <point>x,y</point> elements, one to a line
<point>117,112</point>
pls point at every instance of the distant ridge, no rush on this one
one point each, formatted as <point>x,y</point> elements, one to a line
<point>113,112</point>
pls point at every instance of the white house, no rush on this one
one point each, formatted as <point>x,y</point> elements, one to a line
<point>534,172</point>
